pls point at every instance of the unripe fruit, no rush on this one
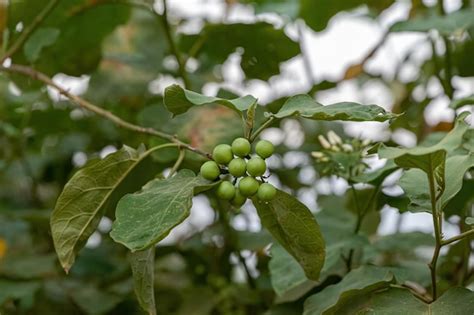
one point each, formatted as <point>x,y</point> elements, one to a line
<point>264,149</point>
<point>238,199</point>
<point>226,190</point>
<point>256,166</point>
<point>222,154</point>
<point>248,186</point>
<point>210,170</point>
<point>237,167</point>
<point>241,147</point>
<point>266,192</point>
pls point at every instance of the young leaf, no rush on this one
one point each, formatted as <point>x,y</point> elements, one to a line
<point>294,227</point>
<point>178,100</point>
<point>305,106</point>
<point>456,167</point>
<point>143,268</point>
<point>90,192</point>
<point>146,217</point>
<point>358,282</point>
<point>446,25</point>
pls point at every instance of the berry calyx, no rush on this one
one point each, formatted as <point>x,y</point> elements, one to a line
<point>222,154</point>
<point>238,199</point>
<point>256,166</point>
<point>264,149</point>
<point>210,170</point>
<point>226,190</point>
<point>266,192</point>
<point>248,186</point>
<point>237,167</point>
<point>241,147</point>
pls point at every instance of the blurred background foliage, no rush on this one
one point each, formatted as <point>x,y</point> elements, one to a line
<point>121,54</point>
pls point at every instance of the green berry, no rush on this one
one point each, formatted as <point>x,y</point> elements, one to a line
<point>222,154</point>
<point>226,190</point>
<point>266,192</point>
<point>237,167</point>
<point>210,170</point>
<point>256,166</point>
<point>264,149</point>
<point>238,199</point>
<point>241,147</point>
<point>248,186</point>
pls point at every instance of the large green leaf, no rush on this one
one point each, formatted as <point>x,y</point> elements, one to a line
<point>446,24</point>
<point>455,301</point>
<point>178,100</point>
<point>264,47</point>
<point>143,268</point>
<point>90,192</point>
<point>41,38</point>
<point>146,217</point>
<point>94,301</point>
<point>305,106</point>
<point>83,27</point>
<point>415,183</point>
<point>358,282</point>
<point>294,227</point>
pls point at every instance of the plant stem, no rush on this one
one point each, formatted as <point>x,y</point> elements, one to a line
<point>173,48</point>
<point>457,237</point>
<point>437,231</point>
<point>262,127</point>
<point>29,30</point>
<point>34,74</point>
<point>177,164</point>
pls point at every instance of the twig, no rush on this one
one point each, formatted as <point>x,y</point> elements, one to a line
<point>457,237</point>
<point>177,164</point>
<point>37,75</point>
<point>261,128</point>
<point>29,30</point>
<point>437,230</point>
<point>173,48</point>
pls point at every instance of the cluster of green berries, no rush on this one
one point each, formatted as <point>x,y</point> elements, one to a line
<point>236,161</point>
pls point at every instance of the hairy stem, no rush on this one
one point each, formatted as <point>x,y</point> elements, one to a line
<point>437,231</point>
<point>34,74</point>
<point>29,30</point>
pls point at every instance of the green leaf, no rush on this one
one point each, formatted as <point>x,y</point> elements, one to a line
<point>15,290</point>
<point>294,227</point>
<point>90,193</point>
<point>143,264</point>
<point>415,183</point>
<point>305,106</point>
<point>178,100</point>
<point>146,217</point>
<point>216,42</point>
<point>28,266</point>
<point>446,24</point>
<point>41,38</point>
<point>403,242</point>
<point>455,104</point>
<point>94,301</point>
<point>455,301</point>
<point>376,177</point>
<point>358,282</point>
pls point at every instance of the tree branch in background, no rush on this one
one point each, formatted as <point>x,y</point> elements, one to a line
<point>173,48</point>
<point>34,74</point>
<point>29,30</point>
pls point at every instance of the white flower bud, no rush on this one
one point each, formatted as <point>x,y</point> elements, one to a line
<point>324,142</point>
<point>366,142</point>
<point>335,148</point>
<point>347,147</point>
<point>317,155</point>
<point>334,138</point>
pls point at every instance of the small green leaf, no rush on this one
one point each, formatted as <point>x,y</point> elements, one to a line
<point>446,25</point>
<point>90,192</point>
<point>294,227</point>
<point>146,217</point>
<point>178,100</point>
<point>456,167</point>
<point>455,104</point>
<point>358,282</point>
<point>143,264</point>
<point>305,106</point>
<point>376,177</point>
<point>41,38</point>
